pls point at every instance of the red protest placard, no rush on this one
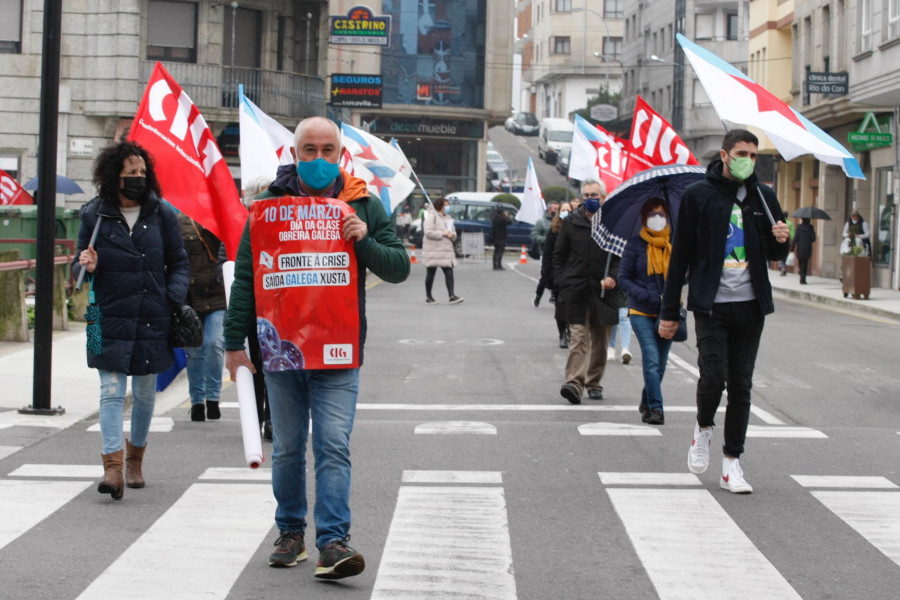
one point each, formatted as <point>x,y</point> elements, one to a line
<point>305,282</point>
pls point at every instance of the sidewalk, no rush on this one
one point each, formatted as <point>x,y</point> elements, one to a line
<point>75,386</point>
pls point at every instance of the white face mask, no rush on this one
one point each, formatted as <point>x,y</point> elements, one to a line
<point>563,214</point>
<point>656,223</point>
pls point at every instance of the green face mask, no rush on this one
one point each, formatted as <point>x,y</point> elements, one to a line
<point>741,167</point>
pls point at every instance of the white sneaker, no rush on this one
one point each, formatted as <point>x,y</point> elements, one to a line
<point>698,455</point>
<point>733,478</point>
<point>626,357</point>
<point>610,355</point>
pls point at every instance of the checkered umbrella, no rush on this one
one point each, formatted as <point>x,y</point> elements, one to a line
<point>619,219</point>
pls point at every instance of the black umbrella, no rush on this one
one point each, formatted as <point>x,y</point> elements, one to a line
<point>64,185</point>
<point>811,212</point>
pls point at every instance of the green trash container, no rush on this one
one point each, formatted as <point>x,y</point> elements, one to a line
<point>18,229</point>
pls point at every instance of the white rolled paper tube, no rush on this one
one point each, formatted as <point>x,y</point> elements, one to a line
<point>253,452</point>
<point>246,393</point>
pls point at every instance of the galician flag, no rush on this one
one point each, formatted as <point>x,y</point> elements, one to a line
<point>533,206</point>
<point>739,99</point>
<point>265,143</point>
<point>378,164</point>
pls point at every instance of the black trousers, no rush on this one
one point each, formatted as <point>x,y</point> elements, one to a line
<point>803,264</point>
<point>429,279</point>
<point>727,344</point>
<point>499,249</point>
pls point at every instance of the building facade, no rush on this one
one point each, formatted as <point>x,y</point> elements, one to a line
<point>108,50</point>
<point>446,73</point>
<point>573,52</point>
<point>859,38</point>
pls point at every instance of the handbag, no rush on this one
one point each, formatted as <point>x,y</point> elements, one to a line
<point>187,328</point>
<point>534,251</point>
<point>93,317</point>
<point>791,260</point>
<point>681,334</point>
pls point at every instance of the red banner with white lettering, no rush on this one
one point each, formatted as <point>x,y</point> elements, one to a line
<point>190,168</point>
<point>11,192</point>
<point>305,283</point>
<point>654,142</point>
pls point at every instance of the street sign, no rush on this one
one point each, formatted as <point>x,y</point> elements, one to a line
<point>872,133</point>
<point>604,112</point>
<point>827,83</point>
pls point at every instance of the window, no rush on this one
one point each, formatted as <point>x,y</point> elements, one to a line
<point>563,6</point>
<point>893,18</point>
<point>732,26</point>
<point>10,164</point>
<point>700,97</point>
<point>10,26</point>
<point>614,9</point>
<point>247,35</point>
<point>612,48</point>
<point>172,31</point>
<point>703,26</point>
<point>562,45</point>
<point>865,25</point>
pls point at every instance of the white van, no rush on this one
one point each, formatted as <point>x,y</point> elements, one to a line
<point>554,135</point>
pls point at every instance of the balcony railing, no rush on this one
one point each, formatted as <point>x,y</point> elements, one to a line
<point>275,92</point>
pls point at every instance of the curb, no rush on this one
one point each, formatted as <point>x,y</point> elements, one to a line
<point>851,305</point>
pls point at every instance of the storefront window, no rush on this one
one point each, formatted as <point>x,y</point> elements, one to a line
<point>436,55</point>
<point>882,229</point>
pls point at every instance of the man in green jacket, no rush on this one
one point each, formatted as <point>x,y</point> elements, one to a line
<point>327,395</point>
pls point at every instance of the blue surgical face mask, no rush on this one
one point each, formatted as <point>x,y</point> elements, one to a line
<point>592,205</point>
<point>563,214</point>
<point>317,174</point>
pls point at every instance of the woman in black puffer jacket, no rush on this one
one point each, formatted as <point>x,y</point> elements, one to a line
<point>137,270</point>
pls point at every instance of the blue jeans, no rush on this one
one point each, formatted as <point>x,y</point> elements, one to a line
<point>727,344</point>
<point>112,401</point>
<point>329,397</point>
<point>654,355</point>
<point>624,329</point>
<point>205,363</point>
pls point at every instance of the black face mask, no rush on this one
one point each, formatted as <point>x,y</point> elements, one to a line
<point>135,188</point>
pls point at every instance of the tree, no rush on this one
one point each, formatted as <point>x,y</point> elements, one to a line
<point>508,199</point>
<point>556,193</point>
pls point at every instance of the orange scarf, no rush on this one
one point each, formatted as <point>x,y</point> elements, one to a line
<point>659,249</point>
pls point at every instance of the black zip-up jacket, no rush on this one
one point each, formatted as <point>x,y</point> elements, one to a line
<point>698,247</point>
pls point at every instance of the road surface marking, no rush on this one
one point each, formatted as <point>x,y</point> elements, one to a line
<point>468,553</point>
<point>47,471</point>
<point>521,407</point>
<point>617,429</point>
<point>691,548</point>
<point>874,515</point>
<point>452,427</point>
<point>783,431</point>
<point>841,481</point>
<point>8,450</point>
<point>26,503</point>
<point>236,474</point>
<point>610,478</point>
<point>237,516</point>
<point>484,477</point>
<point>157,425</point>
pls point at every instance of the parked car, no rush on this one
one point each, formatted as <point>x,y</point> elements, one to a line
<point>473,212</point>
<point>554,135</point>
<point>497,169</point>
<point>522,123</point>
<point>562,160</point>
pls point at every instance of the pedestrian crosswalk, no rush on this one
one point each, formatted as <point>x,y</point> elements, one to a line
<point>449,532</point>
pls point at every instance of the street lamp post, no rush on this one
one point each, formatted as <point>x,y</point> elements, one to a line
<point>234,7</point>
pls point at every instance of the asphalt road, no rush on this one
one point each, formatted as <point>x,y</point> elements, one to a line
<point>473,478</point>
<point>516,149</point>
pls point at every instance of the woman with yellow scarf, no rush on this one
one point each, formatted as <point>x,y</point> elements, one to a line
<point>642,274</point>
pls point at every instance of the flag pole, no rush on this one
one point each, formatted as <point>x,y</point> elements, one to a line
<point>758,191</point>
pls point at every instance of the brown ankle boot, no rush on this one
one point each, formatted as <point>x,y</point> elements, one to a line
<point>134,478</point>
<point>112,483</point>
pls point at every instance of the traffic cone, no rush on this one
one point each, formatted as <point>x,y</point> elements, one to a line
<point>523,258</point>
<point>412,256</point>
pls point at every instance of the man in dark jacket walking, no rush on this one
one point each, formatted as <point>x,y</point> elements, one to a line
<point>587,297</point>
<point>328,396</point>
<point>724,239</point>
<point>803,246</point>
<point>499,223</point>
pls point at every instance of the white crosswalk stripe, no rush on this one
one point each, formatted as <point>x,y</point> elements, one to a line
<point>24,504</point>
<point>169,546</point>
